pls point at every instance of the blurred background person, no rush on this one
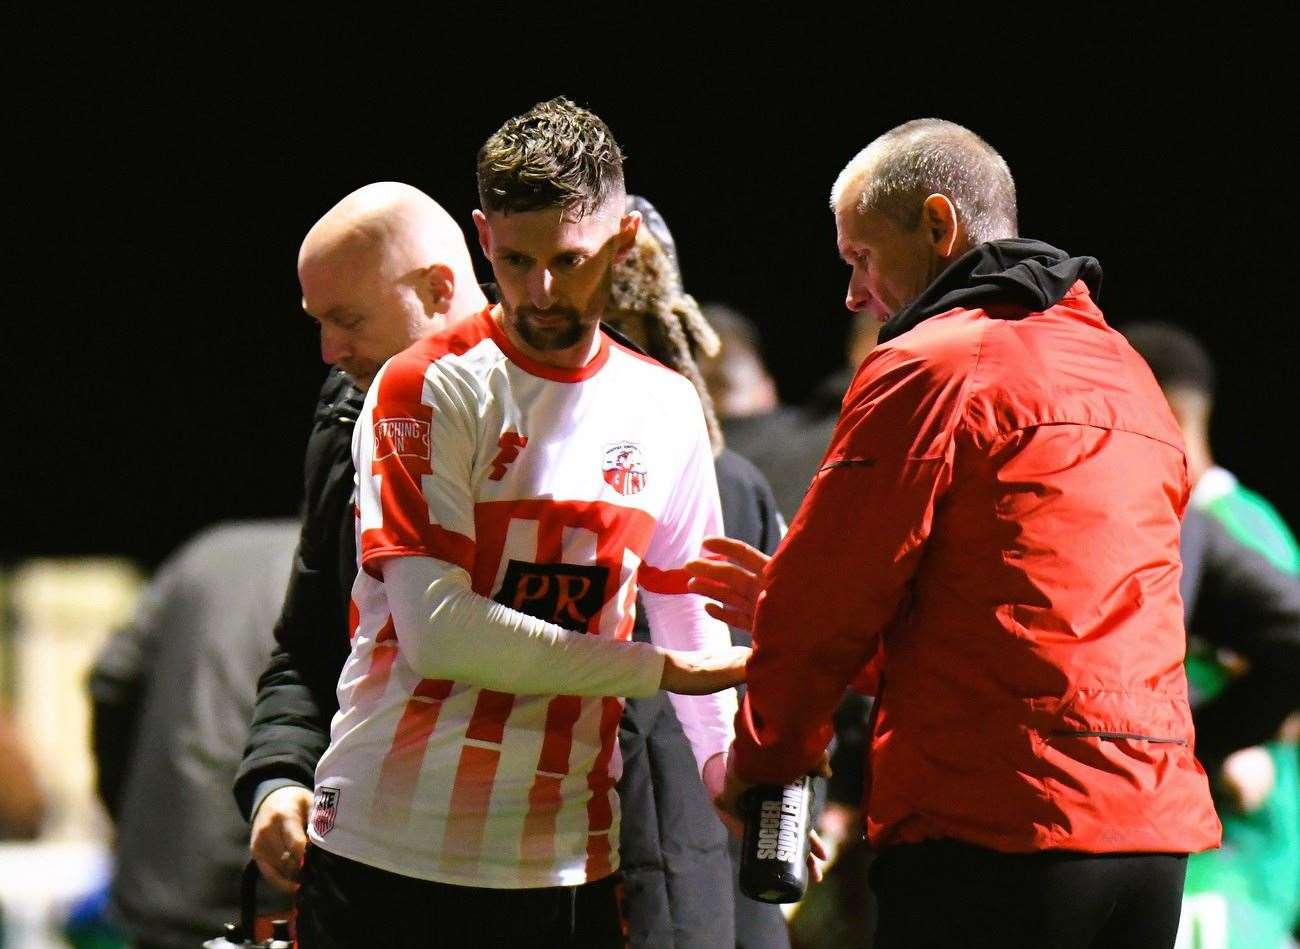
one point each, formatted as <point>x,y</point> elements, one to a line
<point>674,864</point>
<point>785,442</point>
<point>22,804</point>
<point>1242,602</point>
<point>172,695</point>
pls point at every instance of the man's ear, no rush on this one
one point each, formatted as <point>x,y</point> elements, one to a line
<point>484,235</point>
<point>942,227</point>
<point>625,239</point>
<point>436,286</point>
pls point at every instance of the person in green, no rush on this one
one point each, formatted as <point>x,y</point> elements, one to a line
<point>1246,894</point>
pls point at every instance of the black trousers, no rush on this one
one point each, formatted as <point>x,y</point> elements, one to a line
<point>343,904</point>
<point>947,893</point>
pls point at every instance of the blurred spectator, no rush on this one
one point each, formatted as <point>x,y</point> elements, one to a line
<point>21,802</point>
<point>1242,603</point>
<point>173,694</point>
<point>1186,374</point>
<point>786,443</point>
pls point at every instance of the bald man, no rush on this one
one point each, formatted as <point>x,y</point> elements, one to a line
<point>383,267</point>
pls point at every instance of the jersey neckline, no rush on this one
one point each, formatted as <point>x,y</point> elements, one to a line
<point>541,369</point>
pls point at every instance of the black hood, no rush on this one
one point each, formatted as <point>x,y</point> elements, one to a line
<point>1009,279</point>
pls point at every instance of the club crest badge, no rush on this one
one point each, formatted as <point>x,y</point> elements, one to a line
<point>323,810</point>
<point>624,467</point>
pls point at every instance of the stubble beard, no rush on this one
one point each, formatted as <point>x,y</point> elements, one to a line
<point>562,334</point>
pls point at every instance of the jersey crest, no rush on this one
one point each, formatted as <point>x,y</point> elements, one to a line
<point>624,468</point>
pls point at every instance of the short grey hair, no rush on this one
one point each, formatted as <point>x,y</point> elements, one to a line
<point>903,167</point>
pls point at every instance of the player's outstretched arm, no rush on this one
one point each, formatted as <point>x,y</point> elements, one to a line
<point>447,631</point>
<point>703,672</point>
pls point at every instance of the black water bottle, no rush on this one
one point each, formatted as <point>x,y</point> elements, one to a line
<point>774,855</point>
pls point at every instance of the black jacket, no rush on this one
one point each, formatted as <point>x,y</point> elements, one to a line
<point>296,694</point>
<point>1233,598</point>
<point>671,841</point>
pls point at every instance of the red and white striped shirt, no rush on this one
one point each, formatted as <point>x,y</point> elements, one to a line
<point>550,492</point>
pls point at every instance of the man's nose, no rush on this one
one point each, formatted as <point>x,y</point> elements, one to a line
<point>541,288</point>
<point>858,296</point>
<point>333,345</point>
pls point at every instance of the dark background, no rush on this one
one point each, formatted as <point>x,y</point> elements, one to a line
<point>165,377</point>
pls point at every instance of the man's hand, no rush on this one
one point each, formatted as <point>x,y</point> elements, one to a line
<point>733,577</point>
<point>1248,778</point>
<point>728,804</point>
<point>279,837</point>
<point>701,672</point>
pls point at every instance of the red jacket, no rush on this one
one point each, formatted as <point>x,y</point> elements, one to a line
<point>998,517</point>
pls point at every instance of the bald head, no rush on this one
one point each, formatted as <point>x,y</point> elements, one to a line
<point>383,267</point>
<point>897,172</point>
<point>402,224</point>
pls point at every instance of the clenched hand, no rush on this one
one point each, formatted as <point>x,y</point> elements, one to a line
<point>279,837</point>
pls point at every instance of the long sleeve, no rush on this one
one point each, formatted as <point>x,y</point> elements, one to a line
<point>447,631</point>
<point>841,574</point>
<point>1246,604</point>
<point>677,619</point>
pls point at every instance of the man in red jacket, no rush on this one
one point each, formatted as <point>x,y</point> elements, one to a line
<point>990,547</point>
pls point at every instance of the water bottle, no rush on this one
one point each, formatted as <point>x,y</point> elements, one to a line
<point>774,855</point>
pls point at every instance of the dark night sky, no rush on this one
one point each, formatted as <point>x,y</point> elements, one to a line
<point>169,377</point>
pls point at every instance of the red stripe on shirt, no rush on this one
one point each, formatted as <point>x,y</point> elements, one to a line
<point>600,808</point>
<point>471,795</point>
<point>375,681</point>
<point>488,723</point>
<point>662,581</point>
<point>400,771</point>
<point>544,799</point>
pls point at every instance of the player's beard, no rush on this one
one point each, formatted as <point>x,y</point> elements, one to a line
<point>559,327</point>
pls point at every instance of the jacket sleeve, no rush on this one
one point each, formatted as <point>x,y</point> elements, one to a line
<point>842,572</point>
<point>1246,604</point>
<point>296,695</point>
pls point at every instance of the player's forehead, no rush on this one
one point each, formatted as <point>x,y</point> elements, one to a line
<point>549,231</point>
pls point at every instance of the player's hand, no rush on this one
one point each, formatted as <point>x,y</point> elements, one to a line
<point>279,838</point>
<point>1248,778</point>
<point>701,672</point>
<point>733,576</point>
<point>714,776</point>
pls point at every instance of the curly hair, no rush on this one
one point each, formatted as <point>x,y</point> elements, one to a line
<point>647,287</point>
<point>555,155</point>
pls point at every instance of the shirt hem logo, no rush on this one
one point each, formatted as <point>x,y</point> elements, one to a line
<point>324,808</point>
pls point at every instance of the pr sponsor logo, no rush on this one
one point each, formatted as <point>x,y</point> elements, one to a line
<point>568,595</point>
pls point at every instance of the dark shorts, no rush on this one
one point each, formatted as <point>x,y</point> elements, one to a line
<point>343,904</point>
<point>947,893</point>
